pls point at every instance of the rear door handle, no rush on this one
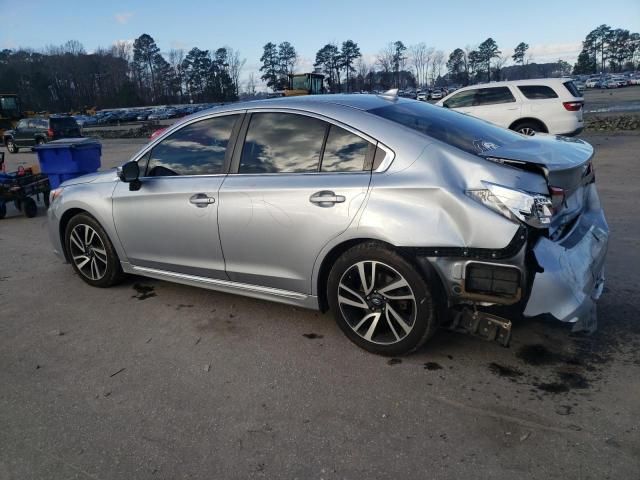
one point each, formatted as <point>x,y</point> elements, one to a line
<point>326,198</point>
<point>201,200</point>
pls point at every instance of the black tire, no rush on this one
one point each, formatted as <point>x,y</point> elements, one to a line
<point>45,198</point>
<point>528,128</point>
<point>29,207</point>
<point>40,141</point>
<point>11,146</point>
<point>3,210</point>
<point>384,337</point>
<point>113,272</point>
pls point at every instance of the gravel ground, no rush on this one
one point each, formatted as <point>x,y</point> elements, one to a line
<point>155,380</point>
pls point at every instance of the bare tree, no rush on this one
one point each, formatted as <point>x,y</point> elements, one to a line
<point>236,64</point>
<point>437,62</point>
<point>251,85</point>
<point>418,56</point>
<point>176,59</point>
<point>122,50</point>
<point>385,57</point>
<point>497,66</point>
<point>361,72</point>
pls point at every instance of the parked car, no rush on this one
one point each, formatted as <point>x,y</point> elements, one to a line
<point>592,83</point>
<point>549,105</point>
<point>38,130</point>
<point>580,85</point>
<point>436,94</point>
<point>422,96</point>
<point>394,214</point>
<point>162,114</point>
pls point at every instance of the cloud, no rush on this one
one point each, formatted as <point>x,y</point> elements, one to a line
<point>123,18</point>
<point>555,51</point>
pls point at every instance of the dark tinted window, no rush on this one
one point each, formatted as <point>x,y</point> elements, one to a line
<point>573,90</point>
<point>197,149</point>
<point>493,96</point>
<point>344,151</point>
<point>462,131</point>
<point>282,142</point>
<point>462,99</point>
<point>537,92</point>
<point>22,124</point>
<point>63,122</point>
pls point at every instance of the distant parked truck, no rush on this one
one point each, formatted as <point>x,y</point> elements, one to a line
<point>548,105</point>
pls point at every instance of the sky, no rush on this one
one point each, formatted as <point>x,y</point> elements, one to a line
<point>553,29</point>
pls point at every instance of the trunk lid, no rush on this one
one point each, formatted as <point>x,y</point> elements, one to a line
<point>564,161</point>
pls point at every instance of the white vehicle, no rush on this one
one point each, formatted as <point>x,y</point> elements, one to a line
<point>422,96</point>
<point>548,105</point>
<point>592,82</point>
<point>436,94</point>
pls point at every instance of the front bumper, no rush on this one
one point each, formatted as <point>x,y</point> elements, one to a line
<point>573,270</point>
<point>53,228</point>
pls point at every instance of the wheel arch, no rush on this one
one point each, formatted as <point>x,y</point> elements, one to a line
<point>423,268</point>
<point>64,221</point>
<point>529,120</point>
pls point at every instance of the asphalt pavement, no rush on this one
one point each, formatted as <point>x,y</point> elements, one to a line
<point>152,380</point>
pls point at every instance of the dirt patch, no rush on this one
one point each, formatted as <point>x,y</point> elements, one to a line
<point>504,371</point>
<point>432,366</point>
<point>312,336</point>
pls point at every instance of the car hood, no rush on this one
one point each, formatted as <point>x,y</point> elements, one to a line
<point>95,177</point>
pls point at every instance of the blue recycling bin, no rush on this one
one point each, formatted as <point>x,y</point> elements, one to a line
<point>68,158</point>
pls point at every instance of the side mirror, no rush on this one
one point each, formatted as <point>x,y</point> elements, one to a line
<point>129,173</point>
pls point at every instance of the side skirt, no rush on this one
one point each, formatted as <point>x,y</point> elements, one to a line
<point>227,286</point>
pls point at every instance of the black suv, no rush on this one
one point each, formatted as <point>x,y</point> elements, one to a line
<point>35,131</point>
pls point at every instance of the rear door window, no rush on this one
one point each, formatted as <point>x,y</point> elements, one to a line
<point>461,99</point>
<point>196,149</point>
<point>282,143</point>
<point>493,96</point>
<point>537,92</point>
<point>344,151</point>
<point>64,122</point>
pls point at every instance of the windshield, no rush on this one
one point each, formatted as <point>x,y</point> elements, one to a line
<point>456,129</point>
<point>8,104</point>
<point>63,122</point>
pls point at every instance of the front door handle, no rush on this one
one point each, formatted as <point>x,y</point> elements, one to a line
<point>201,200</point>
<point>326,198</point>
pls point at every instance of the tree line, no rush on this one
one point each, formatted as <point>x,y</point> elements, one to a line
<point>67,78</point>
<point>607,49</point>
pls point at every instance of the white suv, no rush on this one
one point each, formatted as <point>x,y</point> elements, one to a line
<point>550,105</point>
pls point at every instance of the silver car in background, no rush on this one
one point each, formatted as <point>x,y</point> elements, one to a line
<point>396,215</point>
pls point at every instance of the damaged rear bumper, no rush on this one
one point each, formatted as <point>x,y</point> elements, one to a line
<point>573,270</point>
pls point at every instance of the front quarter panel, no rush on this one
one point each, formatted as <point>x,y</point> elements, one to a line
<point>93,198</point>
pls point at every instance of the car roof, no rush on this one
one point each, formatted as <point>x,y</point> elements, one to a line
<point>531,81</point>
<point>312,103</point>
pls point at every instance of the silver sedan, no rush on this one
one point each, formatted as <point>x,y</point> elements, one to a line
<point>396,215</point>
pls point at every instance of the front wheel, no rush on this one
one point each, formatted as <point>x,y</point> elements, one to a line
<point>527,128</point>
<point>11,145</point>
<point>91,253</point>
<point>380,301</point>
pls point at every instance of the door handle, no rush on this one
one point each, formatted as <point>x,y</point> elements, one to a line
<point>326,198</point>
<point>201,200</point>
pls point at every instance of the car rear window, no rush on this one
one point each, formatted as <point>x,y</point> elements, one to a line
<point>462,131</point>
<point>537,92</point>
<point>63,122</point>
<point>573,90</point>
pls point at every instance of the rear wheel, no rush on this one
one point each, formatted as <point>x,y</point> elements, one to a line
<point>528,128</point>
<point>11,145</point>
<point>380,301</point>
<point>91,253</point>
<point>29,207</point>
<point>3,210</point>
<point>39,141</point>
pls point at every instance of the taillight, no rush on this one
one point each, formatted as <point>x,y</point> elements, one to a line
<point>557,197</point>
<point>572,106</point>
<point>50,133</point>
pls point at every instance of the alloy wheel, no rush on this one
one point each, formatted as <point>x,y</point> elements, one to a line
<point>88,252</point>
<point>527,131</point>
<point>377,302</point>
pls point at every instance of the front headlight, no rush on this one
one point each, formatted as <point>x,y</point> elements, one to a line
<point>54,194</point>
<point>533,209</point>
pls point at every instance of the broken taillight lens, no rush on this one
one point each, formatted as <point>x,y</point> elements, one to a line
<point>531,208</point>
